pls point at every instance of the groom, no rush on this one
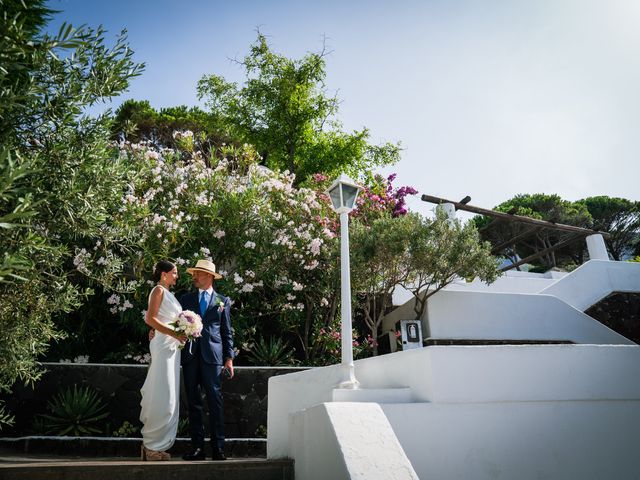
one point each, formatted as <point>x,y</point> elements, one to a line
<point>207,359</point>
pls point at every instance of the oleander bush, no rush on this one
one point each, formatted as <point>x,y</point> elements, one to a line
<point>84,217</point>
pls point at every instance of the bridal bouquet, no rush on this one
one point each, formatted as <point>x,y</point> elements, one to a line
<point>189,324</point>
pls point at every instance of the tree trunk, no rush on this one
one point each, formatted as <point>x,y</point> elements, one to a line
<point>291,161</point>
<point>421,302</point>
<point>307,322</point>
<point>305,348</point>
<point>378,320</point>
<point>370,322</point>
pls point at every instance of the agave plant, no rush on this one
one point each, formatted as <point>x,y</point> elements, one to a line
<point>5,417</point>
<point>271,353</point>
<point>74,412</point>
<point>183,427</point>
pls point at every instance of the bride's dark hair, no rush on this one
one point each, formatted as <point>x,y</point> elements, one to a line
<point>163,266</point>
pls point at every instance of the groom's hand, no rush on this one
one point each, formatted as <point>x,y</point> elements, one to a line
<point>228,366</point>
<point>152,333</point>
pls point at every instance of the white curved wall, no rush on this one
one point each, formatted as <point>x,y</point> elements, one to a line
<point>509,282</point>
<point>531,283</point>
<point>513,316</point>
<point>526,311</point>
<point>594,280</point>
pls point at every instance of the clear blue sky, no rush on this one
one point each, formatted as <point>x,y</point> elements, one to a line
<point>489,98</point>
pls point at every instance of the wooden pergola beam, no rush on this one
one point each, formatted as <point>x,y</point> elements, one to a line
<point>564,243</point>
<point>496,221</point>
<point>511,241</point>
<point>513,217</point>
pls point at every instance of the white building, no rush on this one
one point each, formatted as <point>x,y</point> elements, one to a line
<point>560,411</point>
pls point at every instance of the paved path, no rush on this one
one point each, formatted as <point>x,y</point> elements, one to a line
<point>20,466</point>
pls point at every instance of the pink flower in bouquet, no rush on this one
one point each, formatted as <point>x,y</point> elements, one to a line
<point>189,324</point>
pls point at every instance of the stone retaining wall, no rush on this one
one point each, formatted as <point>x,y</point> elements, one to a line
<point>245,397</point>
<point>620,311</point>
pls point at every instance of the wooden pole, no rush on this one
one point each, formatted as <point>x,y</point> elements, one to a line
<point>512,217</point>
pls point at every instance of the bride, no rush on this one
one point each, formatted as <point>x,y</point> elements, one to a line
<point>161,390</point>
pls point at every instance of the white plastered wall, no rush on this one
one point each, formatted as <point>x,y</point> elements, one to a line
<point>347,441</point>
<point>529,411</point>
<point>594,280</point>
<point>520,440</point>
<point>517,307</point>
<point>465,375</point>
<point>513,316</point>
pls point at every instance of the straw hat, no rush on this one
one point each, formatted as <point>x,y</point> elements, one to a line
<point>205,266</point>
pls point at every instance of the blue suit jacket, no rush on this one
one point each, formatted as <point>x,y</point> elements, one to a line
<point>216,343</point>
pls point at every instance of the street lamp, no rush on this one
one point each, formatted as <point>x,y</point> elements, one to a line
<point>343,193</point>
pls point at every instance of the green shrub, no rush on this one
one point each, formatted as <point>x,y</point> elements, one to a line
<point>74,412</point>
<point>183,428</point>
<point>58,180</point>
<point>126,430</point>
<point>271,353</point>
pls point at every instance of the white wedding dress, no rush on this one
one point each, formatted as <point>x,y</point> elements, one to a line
<point>161,390</point>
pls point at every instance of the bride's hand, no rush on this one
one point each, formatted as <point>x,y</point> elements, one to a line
<point>181,338</point>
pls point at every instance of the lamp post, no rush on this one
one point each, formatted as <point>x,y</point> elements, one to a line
<point>343,193</point>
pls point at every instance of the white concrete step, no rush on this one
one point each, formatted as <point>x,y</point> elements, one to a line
<point>374,395</point>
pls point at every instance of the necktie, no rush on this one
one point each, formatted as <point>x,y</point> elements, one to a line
<point>203,303</point>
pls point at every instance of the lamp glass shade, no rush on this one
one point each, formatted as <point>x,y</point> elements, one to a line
<point>336,198</point>
<point>349,194</point>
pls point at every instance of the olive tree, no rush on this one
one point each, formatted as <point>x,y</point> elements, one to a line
<point>441,250</point>
<point>421,254</point>
<point>57,178</point>
<point>380,256</point>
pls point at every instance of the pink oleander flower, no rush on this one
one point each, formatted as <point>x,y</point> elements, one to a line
<point>319,177</point>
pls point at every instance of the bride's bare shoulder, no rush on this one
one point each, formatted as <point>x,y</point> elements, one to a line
<point>157,292</point>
